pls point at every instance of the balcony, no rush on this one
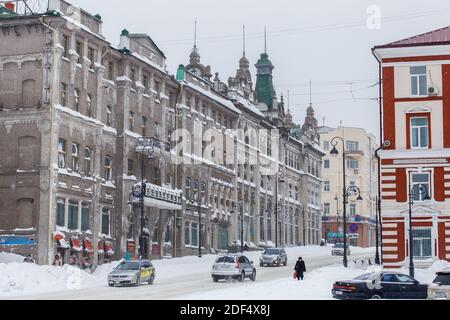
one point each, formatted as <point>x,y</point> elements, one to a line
<point>354,152</point>
<point>157,197</point>
<point>152,146</point>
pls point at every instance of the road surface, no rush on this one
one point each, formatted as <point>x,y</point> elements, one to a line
<point>178,286</point>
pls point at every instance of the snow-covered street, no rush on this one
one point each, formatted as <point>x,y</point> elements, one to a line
<point>181,278</point>
<point>188,278</point>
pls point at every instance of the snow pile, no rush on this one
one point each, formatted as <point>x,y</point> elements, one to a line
<point>6,257</point>
<point>25,278</point>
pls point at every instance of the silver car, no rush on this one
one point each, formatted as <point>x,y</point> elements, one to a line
<point>235,266</point>
<point>132,272</point>
<point>273,257</point>
<point>440,288</point>
<point>338,249</point>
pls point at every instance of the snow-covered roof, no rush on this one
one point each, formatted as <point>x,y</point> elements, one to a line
<point>248,104</point>
<point>223,101</point>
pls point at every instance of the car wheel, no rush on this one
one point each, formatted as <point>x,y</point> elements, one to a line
<point>242,277</point>
<point>111,284</point>
<point>215,279</point>
<point>152,278</point>
<point>138,282</point>
<point>253,275</point>
<point>376,296</point>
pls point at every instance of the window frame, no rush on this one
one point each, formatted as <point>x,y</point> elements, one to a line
<point>108,168</point>
<point>416,77</point>
<point>75,157</point>
<point>410,127</point>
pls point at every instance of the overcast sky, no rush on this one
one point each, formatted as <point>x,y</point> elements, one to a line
<point>327,42</point>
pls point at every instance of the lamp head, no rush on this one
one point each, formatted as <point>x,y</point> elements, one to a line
<point>334,152</point>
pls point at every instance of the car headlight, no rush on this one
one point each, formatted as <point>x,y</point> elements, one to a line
<point>440,295</point>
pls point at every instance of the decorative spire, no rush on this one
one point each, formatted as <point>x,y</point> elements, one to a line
<point>195,34</point>
<point>194,57</point>
<point>243,40</point>
<point>265,40</point>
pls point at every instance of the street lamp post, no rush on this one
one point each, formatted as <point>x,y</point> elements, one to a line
<point>199,227</point>
<point>337,219</point>
<point>346,192</point>
<point>145,144</point>
<point>422,192</point>
<point>377,253</point>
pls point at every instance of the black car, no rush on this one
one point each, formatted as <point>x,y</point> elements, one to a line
<point>380,285</point>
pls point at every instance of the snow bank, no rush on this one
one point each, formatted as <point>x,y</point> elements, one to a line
<point>24,278</point>
<point>6,257</point>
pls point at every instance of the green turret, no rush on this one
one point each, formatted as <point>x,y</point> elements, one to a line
<point>264,85</point>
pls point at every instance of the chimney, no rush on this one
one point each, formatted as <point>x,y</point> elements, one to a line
<point>54,5</point>
<point>10,6</point>
<point>124,40</point>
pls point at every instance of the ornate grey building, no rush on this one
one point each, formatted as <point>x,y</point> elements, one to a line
<point>83,125</point>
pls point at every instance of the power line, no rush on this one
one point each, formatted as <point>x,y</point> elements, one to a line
<point>317,28</point>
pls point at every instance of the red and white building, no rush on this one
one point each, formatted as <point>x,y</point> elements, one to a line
<point>415,119</point>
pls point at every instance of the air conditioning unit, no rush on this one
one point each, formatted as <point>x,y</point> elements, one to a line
<point>432,91</point>
<point>356,171</point>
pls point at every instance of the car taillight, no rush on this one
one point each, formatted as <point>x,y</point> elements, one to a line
<point>344,287</point>
<point>236,264</point>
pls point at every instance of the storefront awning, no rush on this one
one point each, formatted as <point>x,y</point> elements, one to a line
<point>76,244</point>
<point>88,246</point>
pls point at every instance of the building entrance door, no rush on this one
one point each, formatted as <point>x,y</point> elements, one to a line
<point>223,237</point>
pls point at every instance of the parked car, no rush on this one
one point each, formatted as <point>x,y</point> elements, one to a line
<point>440,288</point>
<point>338,249</point>
<point>380,285</point>
<point>132,272</point>
<point>236,266</point>
<point>273,256</point>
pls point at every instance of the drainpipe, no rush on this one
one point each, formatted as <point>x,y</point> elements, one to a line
<point>382,145</point>
<point>52,132</point>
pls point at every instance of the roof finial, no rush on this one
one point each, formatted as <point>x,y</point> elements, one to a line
<point>310,92</point>
<point>195,34</point>
<point>289,105</point>
<point>265,40</point>
<point>243,39</point>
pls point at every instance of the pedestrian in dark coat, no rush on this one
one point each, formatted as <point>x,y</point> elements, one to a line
<point>300,268</point>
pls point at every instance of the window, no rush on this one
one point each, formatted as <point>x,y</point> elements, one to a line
<point>352,145</point>
<point>84,216</point>
<point>145,83</point>
<point>110,70</point>
<point>418,81</point>
<point>352,164</point>
<point>65,44</point>
<point>144,125</point>
<point>105,221</point>
<point>194,234</point>
<point>326,208</point>
<point>60,212</point>
<point>130,167</point>
<point>157,86</point>
<point>326,164</point>
<point>87,161</point>
<point>61,153</point>
<point>352,209</point>
<point>326,145</point>
<point>352,183</point>
<point>188,183</point>
<point>326,186</point>
<point>108,116</point>
<point>63,94</point>
<point>420,185</point>
<point>76,100</point>
<point>79,50</point>
<point>419,132</point>
<point>73,215</point>
<point>421,243</point>
<point>133,78</point>
<point>89,106</point>
<point>75,157</point>
<point>130,121</point>
<point>108,168</point>
<point>91,57</point>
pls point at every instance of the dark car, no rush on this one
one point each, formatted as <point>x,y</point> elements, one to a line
<point>380,285</point>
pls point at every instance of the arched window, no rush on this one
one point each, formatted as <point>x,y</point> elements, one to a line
<point>108,168</point>
<point>90,108</point>
<point>87,161</point>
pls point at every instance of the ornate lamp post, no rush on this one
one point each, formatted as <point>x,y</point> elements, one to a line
<point>423,195</point>
<point>346,191</point>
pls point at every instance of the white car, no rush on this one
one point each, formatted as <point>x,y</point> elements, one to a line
<point>440,288</point>
<point>338,249</point>
<point>236,266</point>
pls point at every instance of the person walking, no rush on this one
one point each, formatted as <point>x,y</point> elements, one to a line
<point>300,268</point>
